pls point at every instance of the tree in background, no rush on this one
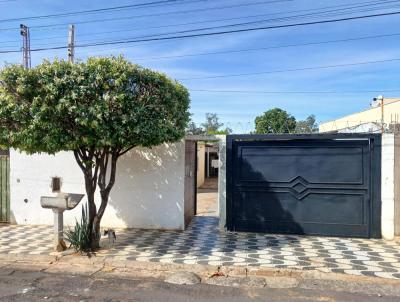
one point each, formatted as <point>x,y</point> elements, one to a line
<point>99,110</point>
<point>309,125</point>
<point>210,126</point>
<point>275,121</point>
<point>192,129</point>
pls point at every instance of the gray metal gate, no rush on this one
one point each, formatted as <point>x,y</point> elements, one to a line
<point>304,184</point>
<point>4,186</point>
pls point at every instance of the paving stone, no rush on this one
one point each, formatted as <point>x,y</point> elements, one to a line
<point>204,243</point>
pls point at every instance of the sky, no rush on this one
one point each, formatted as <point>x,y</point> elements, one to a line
<point>237,75</point>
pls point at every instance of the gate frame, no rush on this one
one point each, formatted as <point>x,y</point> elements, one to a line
<point>375,142</point>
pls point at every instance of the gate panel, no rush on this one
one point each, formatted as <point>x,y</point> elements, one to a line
<point>302,186</point>
<point>4,187</point>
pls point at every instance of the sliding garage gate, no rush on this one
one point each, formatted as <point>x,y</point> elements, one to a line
<point>307,184</point>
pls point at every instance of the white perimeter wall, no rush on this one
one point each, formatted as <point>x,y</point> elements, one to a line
<point>148,193</point>
<point>388,183</point>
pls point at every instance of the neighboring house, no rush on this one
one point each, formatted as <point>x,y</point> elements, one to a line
<point>388,114</point>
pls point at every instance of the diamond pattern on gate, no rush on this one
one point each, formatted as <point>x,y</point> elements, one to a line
<point>298,186</point>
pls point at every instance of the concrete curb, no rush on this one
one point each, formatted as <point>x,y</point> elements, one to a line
<point>81,264</point>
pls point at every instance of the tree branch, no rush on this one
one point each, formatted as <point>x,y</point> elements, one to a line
<point>79,161</point>
<point>126,150</point>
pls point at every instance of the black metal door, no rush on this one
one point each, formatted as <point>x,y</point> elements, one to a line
<point>302,186</point>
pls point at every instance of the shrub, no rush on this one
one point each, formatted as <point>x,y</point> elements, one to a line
<point>79,236</point>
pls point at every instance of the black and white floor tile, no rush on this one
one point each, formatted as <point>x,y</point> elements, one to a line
<point>202,243</point>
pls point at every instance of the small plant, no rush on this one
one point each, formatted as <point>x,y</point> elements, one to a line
<point>79,236</point>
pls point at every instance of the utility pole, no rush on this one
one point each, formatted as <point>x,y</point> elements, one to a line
<point>71,43</point>
<point>26,45</point>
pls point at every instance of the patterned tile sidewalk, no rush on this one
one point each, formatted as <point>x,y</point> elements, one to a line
<point>202,243</point>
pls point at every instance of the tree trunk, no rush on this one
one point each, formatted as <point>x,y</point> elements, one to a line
<point>105,189</point>
<point>92,209</point>
<point>94,166</point>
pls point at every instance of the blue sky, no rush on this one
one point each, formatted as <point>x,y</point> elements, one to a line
<point>236,110</point>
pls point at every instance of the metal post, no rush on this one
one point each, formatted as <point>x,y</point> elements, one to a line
<point>71,43</point>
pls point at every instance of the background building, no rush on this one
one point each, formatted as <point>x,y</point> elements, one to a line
<point>372,119</point>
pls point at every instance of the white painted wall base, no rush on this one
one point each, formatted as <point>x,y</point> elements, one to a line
<point>148,193</point>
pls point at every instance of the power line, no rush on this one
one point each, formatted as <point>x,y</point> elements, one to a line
<point>292,92</point>
<point>370,3</point>
<point>157,14</point>
<point>267,48</point>
<point>98,10</point>
<point>263,48</point>
<point>291,70</point>
<point>221,26</point>
<point>214,33</point>
<point>318,13</point>
<point>185,31</point>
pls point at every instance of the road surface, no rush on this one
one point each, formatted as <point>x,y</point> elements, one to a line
<point>25,285</point>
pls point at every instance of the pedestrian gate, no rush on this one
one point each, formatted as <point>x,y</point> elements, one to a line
<point>304,184</point>
<point>4,186</point>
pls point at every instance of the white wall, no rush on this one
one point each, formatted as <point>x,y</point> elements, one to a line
<point>201,155</point>
<point>387,189</point>
<point>148,193</point>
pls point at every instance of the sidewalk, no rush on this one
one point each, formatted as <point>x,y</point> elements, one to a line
<point>203,244</point>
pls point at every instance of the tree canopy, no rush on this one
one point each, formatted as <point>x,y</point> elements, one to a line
<point>104,102</point>
<point>99,109</point>
<point>275,121</point>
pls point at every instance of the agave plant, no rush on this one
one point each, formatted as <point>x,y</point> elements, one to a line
<point>79,236</point>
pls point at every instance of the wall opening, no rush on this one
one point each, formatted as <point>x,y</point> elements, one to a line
<point>207,178</point>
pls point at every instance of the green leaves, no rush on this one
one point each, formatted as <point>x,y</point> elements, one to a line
<point>275,121</point>
<point>103,102</point>
<point>80,236</point>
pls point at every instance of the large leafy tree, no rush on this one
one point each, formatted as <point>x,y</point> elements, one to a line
<point>98,109</point>
<point>275,121</point>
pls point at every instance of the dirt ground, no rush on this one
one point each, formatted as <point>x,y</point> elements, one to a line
<point>210,184</point>
<point>207,198</point>
<point>207,202</point>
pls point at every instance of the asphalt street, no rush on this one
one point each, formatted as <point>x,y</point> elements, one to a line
<point>26,285</point>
